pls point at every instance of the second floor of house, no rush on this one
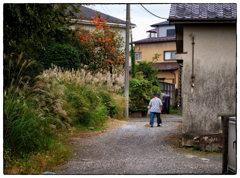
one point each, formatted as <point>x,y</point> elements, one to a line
<point>162,29</point>
<point>161,40</point>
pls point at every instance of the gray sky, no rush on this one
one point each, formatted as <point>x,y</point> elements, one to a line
<point>138,15</point>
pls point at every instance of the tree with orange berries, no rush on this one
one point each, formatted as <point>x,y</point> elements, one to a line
<point>104,46</point>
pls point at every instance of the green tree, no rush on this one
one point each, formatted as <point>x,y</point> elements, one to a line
<point>29,28</point>
<point>64,56</point>
<point>132,52</point>
<point>104,47</point>
<point>149,70</point>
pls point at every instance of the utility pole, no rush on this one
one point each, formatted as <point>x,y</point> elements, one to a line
<point>126,89</point>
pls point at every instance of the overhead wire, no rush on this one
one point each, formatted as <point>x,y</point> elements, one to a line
<point>104,9</point>
<point>109,10</point>
<point>152,13</point>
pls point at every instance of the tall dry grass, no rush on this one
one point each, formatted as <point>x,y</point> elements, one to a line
<point>57,100</point>
<point>83,77</point>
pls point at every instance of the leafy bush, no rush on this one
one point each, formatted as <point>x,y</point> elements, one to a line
<point>62,55</point>
<point>149,70</point>
<point>107,100</point>
<point>84,105</point>
<point>140,93</point>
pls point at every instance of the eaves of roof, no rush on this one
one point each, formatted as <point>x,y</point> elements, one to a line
<point>86,14</point>
<point>156,40</point>
<point>163,66</point>
<point>203,13</point>
<point>166,66</point>
<point>165,23</point>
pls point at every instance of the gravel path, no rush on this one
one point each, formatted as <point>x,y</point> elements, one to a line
<point>136,149</point>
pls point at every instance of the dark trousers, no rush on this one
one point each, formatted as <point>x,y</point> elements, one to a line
<point>152,115</point>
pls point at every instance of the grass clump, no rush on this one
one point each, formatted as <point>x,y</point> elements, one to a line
<point>37,162</point>
<point>39,113</point>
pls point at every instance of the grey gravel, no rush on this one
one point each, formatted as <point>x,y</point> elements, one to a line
<point>136,149</point>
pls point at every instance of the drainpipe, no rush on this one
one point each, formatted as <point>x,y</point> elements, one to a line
<point>193,77</point>
<point>174,76</point>
<point>173,97</point>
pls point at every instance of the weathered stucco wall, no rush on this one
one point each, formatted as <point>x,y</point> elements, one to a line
<point>214,91</point>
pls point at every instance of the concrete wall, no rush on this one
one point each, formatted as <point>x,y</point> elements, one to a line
<point>214,91</point>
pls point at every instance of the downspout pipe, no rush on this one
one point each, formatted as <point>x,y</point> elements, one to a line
<point>193,76</point>
<point>174,76</point>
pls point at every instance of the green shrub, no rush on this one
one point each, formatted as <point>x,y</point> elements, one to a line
<point>62,55</point>
<point>84,105</point>
<point>141,92</point>
<point>107,100</point>
<point>149,70</point>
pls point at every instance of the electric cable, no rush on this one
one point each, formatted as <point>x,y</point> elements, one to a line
<point>109,11</point>
<point>152,13</point>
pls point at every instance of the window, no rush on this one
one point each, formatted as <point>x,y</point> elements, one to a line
<point>170,32</point>
<point>138,56</point>
<point>169,55</point>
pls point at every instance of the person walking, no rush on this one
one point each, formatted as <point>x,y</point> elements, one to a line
<point>155,108</point>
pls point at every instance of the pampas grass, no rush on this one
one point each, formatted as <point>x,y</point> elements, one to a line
<point>83,77</point>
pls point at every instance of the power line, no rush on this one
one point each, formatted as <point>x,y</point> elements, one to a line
<point>104,9</point>
<point>152,13</point>
<point>109,10</point>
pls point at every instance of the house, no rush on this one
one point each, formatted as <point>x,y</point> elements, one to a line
<point>206,51</point>
<point>161,40</point>
<point>84,22</point>
<point>85,18</point>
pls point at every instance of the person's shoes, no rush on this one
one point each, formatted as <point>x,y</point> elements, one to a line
<point>159,125</point>
<point>151,125</point>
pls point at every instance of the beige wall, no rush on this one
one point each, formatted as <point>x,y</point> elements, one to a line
<point>214,91</point>
<point>150,49</point>
<point>148,52</point>
<point>170,77</point>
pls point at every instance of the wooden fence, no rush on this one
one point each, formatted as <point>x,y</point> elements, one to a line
<point>168,88</point>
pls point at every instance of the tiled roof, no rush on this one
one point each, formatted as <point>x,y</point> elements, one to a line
<point>160,24</point>
<point>167,65</point>
<point>156,39</point>
<point>163,66</point>
<point>153,31</point>
<point>86,14</point>
<point>203,11</point>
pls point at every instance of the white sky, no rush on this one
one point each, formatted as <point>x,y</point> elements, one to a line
<point>138,15</point>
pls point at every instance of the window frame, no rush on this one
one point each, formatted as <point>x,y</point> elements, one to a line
<point>171,55</point>
<point>170,30</point>
<point>138,56</point>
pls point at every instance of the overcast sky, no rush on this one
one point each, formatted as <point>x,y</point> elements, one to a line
<point>138,15</point>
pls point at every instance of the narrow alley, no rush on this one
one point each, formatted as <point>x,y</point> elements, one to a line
<point>135,148</point>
